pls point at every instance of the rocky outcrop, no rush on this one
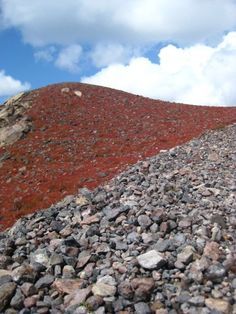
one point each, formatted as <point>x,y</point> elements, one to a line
<point>14,124</point>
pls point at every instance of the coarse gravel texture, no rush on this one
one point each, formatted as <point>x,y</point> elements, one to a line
<point>158,238</point>
<point>62,137</point>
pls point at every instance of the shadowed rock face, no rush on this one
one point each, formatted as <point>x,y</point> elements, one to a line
<point>11,134</point>
<point>63,137</point>
<point>14,124</point>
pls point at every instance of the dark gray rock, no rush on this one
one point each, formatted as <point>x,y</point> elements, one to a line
<point>44,282</point>
<point>111,213</point>
<point>17,301</point>
<point>28,289</point>
<point>5,279</point>
<point>142,308</point>
<point>144,221</point>
<point>216,273</point>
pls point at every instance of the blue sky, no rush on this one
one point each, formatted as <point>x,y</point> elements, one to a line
<point>183,51</point>
<point>18,60</point>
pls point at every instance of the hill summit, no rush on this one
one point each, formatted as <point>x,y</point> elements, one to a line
<point>63,137</point>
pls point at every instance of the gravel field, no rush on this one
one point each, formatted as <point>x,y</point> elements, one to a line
<point>158,238</point>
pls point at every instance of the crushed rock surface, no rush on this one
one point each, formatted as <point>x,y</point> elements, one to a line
<point>159,238</point>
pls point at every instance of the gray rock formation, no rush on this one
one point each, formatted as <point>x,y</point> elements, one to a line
<point>14,124</point>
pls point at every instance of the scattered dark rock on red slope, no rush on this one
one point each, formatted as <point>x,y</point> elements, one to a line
<point>82,135</point>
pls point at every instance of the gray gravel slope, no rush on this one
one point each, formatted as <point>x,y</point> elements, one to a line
<point>159,238</point>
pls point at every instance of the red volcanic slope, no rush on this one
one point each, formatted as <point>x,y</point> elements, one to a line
<point>84,141</point>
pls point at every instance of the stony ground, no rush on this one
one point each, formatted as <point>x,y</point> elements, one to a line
<point>159,238</point>
<point>66,136</point>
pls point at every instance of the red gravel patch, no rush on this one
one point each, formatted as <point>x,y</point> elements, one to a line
<point>85,141</point>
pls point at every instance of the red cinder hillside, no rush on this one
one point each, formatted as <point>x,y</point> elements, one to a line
<point>82,135</point>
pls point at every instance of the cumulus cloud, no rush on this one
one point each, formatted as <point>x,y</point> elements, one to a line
<point>199,74</point>
<point>10,86</point>
<point>106,54</point>
<point>69,57</point>
<point>46,54</point>
<point>44,22</point>
<point>198,67</point>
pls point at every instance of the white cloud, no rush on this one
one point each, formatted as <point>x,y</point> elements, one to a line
<point>106,54</point>
<point>138,22</point>
<point>10,86</point>
<point>69,57</point>
<point>114,34</point>
<point>197,75</point>
<point>46,54</point>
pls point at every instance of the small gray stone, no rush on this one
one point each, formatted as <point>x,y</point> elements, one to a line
<point>111,213</point>
<point>103,289</point>
<point>154,228</point>
<point>56,259</point>
<point>185,223</point>
<point>151,260</point>
<point>18,300</point>
<point>120,245</point>
<point>216,294</point>
<point>142,308</point>
<point>144,221</point>
<point>28,289</point>
<point>133,237</point>
<point>148,238</point>
<point>216,233</point>
<point>183,297</point>
<point>197,301</point>
<point>179,239</point>
<point>44,282</point>
<point>163,245</point>
<point>180,265</point>
<point>108,280</point>
<point>100,310</point>
<point>5,279</point>
<point>68,271</point>
<point>216,273</point>
<point>186,256</point>
<point>40,256</point>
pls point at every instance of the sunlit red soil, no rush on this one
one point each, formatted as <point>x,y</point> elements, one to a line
<point>85,141</point>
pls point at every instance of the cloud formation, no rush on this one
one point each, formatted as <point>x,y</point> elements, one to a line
<point>69,57</point>
<point>117,38</point>
<point>199,74</point>
<point>139,22</point>
<point>46,54</point>
<point>106,54</point>
<point>10,86</point>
